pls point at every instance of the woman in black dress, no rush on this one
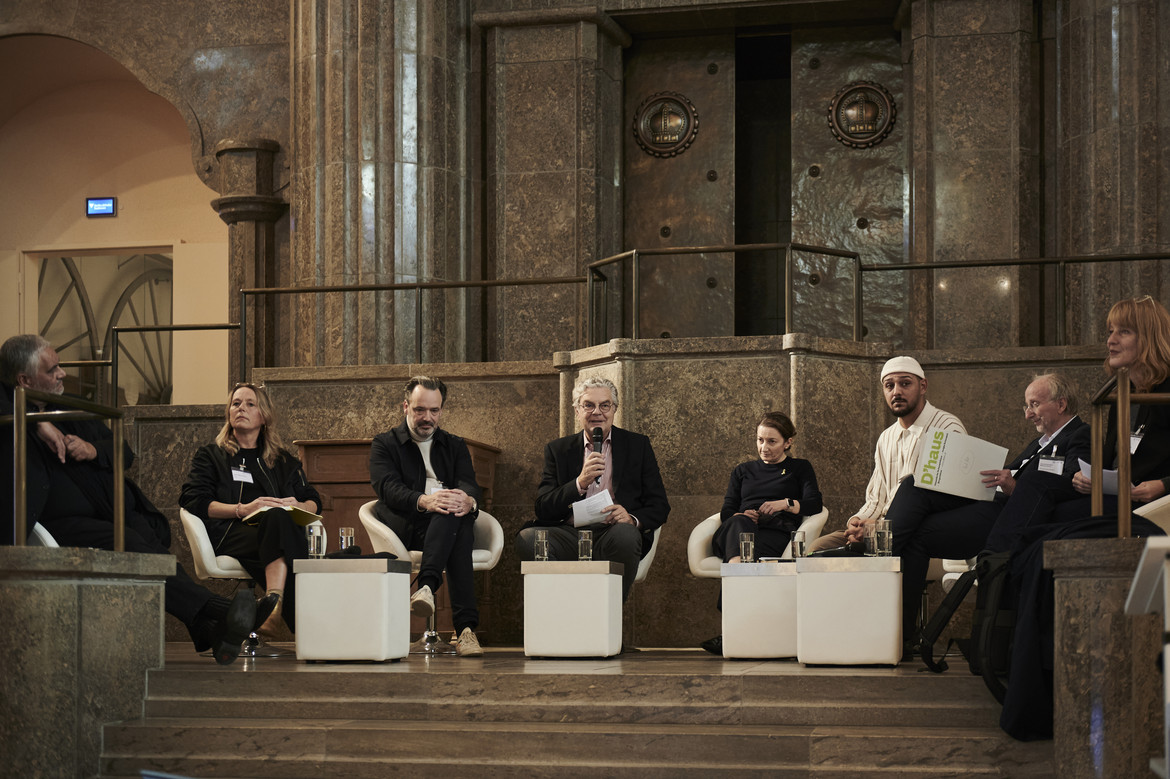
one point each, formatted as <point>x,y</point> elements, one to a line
<point>241,486</point>
<point>768,496</point>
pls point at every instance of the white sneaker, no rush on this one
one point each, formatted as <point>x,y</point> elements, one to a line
<point>422,603</point>
<point>468,644</point>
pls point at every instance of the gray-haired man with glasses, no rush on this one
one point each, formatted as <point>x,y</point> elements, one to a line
<point>575,469</point>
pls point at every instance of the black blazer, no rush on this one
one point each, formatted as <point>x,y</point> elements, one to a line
<point>399,477</point>
<point>1152,458</point>
<point>636,481</point>
<point>1071,443</point>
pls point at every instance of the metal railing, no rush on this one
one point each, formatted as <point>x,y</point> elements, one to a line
<point>635,255</point>
<point>83,409</point>
<point>417,287</point>
<point>115,344</point>
<point>1061,264</point>
<point>597,275</point>
<point>1122,399</point>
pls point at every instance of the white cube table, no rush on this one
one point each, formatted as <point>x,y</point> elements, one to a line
<point>572,608</point>
<point>352,609</point>
<point>759,609</point>
<point>849,610</point>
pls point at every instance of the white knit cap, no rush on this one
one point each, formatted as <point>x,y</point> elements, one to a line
<point>902,365</point>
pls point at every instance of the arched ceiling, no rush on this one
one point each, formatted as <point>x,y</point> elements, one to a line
<point>38,65</point>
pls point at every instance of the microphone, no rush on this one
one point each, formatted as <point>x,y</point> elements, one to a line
<point>598,440</point>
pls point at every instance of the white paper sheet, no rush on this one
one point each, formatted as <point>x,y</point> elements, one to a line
<point>589,511</point>
<point>1108,478</point>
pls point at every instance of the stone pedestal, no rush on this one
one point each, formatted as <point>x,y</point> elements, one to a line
<point>81,627</point>
<point>1106,688</point>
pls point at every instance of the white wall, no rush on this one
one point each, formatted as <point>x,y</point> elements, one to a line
<point>113,138</point>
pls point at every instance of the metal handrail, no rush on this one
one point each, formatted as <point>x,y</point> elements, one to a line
<point>1122,398</point>
<point>595,273</point>
<point>418,287</point>
<point>117,331</point>
<point>19,420</point>
<point>1059,262</point>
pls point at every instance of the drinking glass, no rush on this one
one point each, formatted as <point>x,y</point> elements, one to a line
<point>316,535</point>
<point>344,538</point>
<point>747,547</point>
<point>585,545</point>
<point>541,547</point>
<point>798,544</point>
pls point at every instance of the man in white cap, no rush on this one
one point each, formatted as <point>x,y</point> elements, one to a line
<point>904,388</point>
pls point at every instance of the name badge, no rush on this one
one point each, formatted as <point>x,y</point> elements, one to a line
<point>1051,465</point>
<point>1134,441</point>
<point>240,474</point>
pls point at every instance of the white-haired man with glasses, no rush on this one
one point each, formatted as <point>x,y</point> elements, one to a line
<point>573,470</point>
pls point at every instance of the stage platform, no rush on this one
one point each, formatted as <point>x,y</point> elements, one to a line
<point>655,712</point>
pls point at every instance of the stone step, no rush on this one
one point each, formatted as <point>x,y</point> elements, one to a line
<point>833,698</point>
<point>225,747</point>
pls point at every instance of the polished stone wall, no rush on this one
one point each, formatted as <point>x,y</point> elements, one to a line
<point>1113,106</point>
<point>552,157</point>
<point>975,171</point>
<point>429,140</point>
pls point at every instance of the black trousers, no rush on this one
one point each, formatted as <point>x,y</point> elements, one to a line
<point>1038,499</point>
<point>276,536</point>
<point>446,542</point>
<point>183,597</point>
<point>619,543</point>
<point>930,524</point>
<point>771,540</point>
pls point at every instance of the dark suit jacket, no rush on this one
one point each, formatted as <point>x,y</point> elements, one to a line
<point>636,481</point>
<point>1152,458</point>
<point>1071,443</point>
<point>399,477</point>
<point>93,477</point>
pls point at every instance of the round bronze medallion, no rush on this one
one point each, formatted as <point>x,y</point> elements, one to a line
<point>862,114</point>
<point>665,124</point>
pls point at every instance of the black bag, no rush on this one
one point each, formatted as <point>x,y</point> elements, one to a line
<point>940,619</point>
<point>988,650</point>
<point>994,623</point>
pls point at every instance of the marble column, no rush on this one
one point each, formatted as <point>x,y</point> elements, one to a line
<point>974,169</point>
<point>1107,689</point>
<point>382,189</point>
<point>251,209</point>
<point>1113,67</point>
<point>553,115</point>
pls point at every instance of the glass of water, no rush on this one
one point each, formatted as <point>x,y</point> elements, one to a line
<point>541,546</point>
<point>883,538</point>
<point>344,538</point>
<point>799,548</point>
<point>585,545</point>
<point>316,536</point>
<point>747,547</point>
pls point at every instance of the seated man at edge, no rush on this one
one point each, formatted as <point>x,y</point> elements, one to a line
<point>903,384</point>
<point>71,493</point>
<point>428,495</point>
<point>573,471</point>
<point>930,524</point>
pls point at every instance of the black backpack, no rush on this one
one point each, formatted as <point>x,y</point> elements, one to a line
<point>988,650</point>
